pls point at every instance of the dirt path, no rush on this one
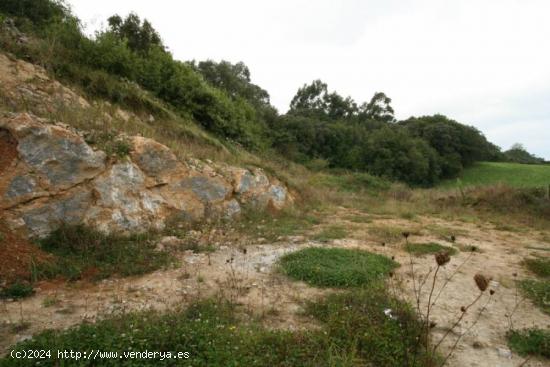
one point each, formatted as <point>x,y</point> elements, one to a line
<point>250,279</point>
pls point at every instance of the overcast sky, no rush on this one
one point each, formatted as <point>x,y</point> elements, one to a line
<point>482,62</point>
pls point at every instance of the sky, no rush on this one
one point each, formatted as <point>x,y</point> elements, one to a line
<point>484,63</point>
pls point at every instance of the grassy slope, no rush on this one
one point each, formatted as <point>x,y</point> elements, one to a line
<point>513,174</point>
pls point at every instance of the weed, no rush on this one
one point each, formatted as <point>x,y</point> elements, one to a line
<point>535,342</point>
<point>420,249</point>
<point>81,251</point>
<point>382,330</point>
<point>17,290</point>
<point>390,233</point>
<point>333,232</point>
<point>539,266</point>
<point>336,267</point>
<point>354,328</point>
<point>538,292</point>
<point>50,301</point>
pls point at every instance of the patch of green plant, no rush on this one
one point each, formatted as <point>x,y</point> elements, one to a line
<point>50,301</point>
<point>82,251</point>
<point>261,224</point>
<point>112,144</point>
<point>17,290</point>
<point>391,233</point>
<point>420,249</point>
<point>538,291</point>
<point>534,342</point>
<point>539,266</point>
<point>333,232</point>
<point>336,267</point>
<point>513,174</point>
<point>381,330</point>
<point>354,330</point>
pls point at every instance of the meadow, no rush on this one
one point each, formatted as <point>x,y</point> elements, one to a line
<point>511,174</point>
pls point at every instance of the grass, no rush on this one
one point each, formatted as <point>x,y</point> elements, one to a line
<point>539,266</point>
<point>539,292</point>
<point>333,232</point>
<point>288,222</point>
<point>359,219</point>
<point>83,252</point>
<point>353,330</point>
<point>336,267</point>
<point>535,342</point>
<point>391,233</point>
<point>420,249</point>
<point>512,174</point>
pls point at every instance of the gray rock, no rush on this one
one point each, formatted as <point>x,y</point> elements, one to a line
<point>42,220</point>
<point>232,209</point>
<point>207,189</point>
<point>20,186</point>
<point>63,157</point>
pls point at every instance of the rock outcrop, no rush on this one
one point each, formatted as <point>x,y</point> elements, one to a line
<point>49,175</point>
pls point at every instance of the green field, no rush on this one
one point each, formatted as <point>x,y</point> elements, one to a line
<point>513,174</point>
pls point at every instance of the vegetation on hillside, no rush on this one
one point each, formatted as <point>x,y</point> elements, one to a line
<point>322,129</point>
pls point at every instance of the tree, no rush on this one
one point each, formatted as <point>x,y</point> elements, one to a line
<point>140,36</point>
<point>378,109</point>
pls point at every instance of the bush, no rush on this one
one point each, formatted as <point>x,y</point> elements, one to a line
<point>17,290</point>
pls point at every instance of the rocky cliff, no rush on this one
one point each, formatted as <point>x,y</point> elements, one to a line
<point>50,175</point>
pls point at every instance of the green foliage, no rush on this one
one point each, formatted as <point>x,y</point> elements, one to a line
<point>532,342</point>
<point>357,320</point>
<point>538,292</point>
<point>420,249</point>
<point>336,267</point>
<point>457,145</point>
<point>518,154</point>
<point>512,174</point>
<point>39,12</point>
<point>81,251</point>
<point>354,331</point>
<point>539,266</point>
<point>17,290</point>
<point>333,232</point>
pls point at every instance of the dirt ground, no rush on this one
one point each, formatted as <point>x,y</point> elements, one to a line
<point>251,279</point>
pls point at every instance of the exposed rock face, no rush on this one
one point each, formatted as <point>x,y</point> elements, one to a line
<point>49,175</point>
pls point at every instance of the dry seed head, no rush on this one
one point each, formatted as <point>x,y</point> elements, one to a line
<point>406,234</point>
<point>481,281</point>
<point>442,258</point>
<point>463,309</point>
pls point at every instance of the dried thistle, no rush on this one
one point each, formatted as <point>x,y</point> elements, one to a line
<point>463,309</point>
<point>442,258</point>
<point>481,281</point>
<point>405,234</point>
<point>492,291</point>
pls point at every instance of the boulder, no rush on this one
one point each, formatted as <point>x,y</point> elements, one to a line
<point>51,176</point>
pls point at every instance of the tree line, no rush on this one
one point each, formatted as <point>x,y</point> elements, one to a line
<point>321,128</point>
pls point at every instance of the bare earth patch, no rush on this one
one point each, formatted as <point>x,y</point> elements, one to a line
<point>250,279</point>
